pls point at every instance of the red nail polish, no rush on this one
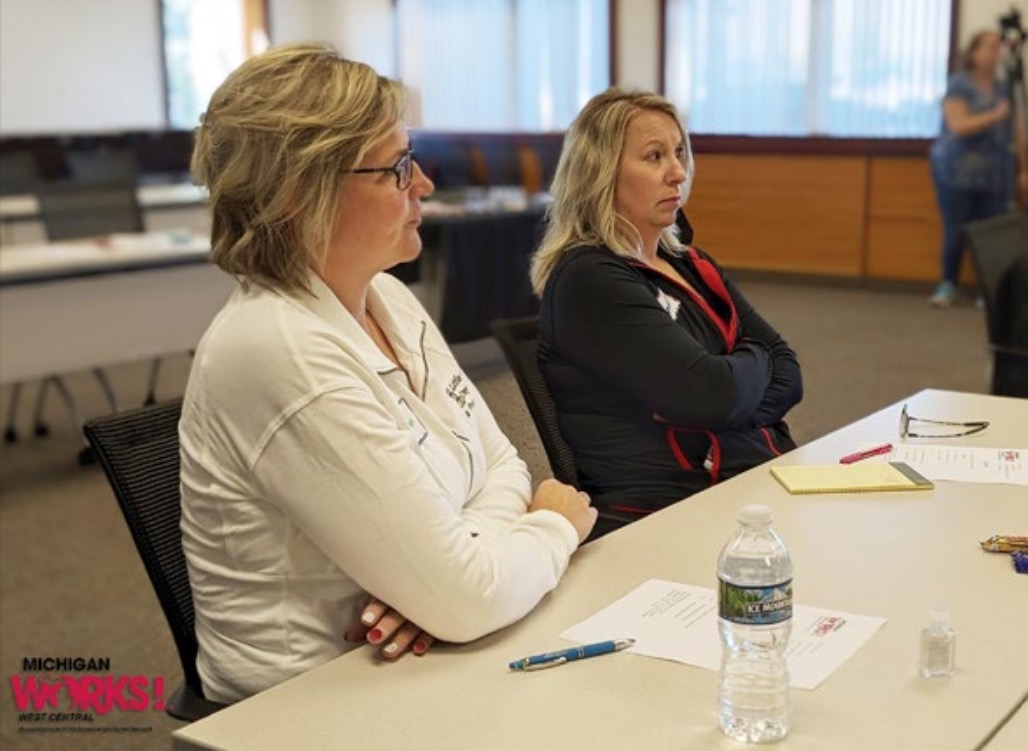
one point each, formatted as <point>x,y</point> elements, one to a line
<point>419,648</point>
<point>375,635</point>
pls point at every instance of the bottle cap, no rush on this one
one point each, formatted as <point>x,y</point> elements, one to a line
<point>755,513</point>
<point>939,618</point>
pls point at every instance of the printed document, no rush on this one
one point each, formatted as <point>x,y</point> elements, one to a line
<point>673,621</point>
<point>963,463</point>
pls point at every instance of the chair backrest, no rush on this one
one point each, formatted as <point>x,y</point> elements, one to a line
<point>685,232</point>
<point>102,165</point>
<point>999,247</point>
<point>519,340</point>
<point>139,452</point>
<point>71,210</point>
<point>18,172</point>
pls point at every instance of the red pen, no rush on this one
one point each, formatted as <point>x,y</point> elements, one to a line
<point>885,448</point>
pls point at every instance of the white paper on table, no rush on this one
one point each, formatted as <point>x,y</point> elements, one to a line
<point>150,242</point>
<point>963,463</point>
<point>679,622</point>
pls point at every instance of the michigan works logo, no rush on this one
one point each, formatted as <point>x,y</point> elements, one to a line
<point>68,694</point>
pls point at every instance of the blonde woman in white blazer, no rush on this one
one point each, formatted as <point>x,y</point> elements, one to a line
<point>342,479</point>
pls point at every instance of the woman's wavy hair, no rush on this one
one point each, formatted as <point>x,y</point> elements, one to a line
<point>582,212</point>
<point>272,148</point>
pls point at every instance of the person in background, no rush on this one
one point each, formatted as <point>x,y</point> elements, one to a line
<point>332,448</point>
<point>665,378</point>
<point>973,160</point>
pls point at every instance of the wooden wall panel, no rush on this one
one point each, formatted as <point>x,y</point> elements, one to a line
<point>794,213</point>
<point>903,248</point>
<point>904,228</point>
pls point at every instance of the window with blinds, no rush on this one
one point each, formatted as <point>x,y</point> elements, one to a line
<point>502,65</point>
<point>204,41</point>
<point>846,68</point>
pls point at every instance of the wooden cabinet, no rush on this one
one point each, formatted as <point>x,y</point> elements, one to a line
<point>858,216</point>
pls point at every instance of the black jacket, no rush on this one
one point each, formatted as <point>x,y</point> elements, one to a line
<point>661,393</point>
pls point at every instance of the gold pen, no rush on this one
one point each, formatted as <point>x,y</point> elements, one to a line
<point>1005,543</point>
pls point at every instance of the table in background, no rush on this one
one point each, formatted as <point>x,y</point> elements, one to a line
<point>70,306</point>
<point>67,307</point>
<point>885,554</point>
<point>478,264</point>
<point>474,266</point>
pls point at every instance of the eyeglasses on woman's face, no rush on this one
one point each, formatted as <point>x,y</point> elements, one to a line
<point>945,431</point>
<point>403,169</point>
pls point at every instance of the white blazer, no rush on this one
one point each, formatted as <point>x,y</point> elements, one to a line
<point>314,470</point>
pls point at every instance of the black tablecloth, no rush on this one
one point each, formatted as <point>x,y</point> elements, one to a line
<point>486,271</point>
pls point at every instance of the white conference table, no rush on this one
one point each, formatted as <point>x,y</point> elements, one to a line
<point>68,307</point>
<point>886,554</point>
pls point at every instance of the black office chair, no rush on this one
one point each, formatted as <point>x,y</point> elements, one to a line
<point>685,231</point>
<point>519,340</point>
<point>19,172</point>
<point>999,247</point>
<point>103,164</point>
<point>75,210</point>
<point>139,453</point>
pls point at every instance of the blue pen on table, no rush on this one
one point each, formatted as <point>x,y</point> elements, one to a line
<point>553,659</point>
<point>885,448</point>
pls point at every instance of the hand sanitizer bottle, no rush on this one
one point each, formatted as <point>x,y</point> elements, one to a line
<point>938,645</point>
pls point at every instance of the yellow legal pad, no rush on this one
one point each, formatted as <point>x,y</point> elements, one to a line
<point>862,477</point>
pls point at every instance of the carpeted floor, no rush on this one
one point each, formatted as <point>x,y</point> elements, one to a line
<point>72,585</point>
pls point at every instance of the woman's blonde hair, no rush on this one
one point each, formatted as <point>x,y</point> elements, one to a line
<point>272,148</point>
<point>582,212</point>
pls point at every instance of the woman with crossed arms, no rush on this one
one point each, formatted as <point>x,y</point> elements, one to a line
<point>666,380</point>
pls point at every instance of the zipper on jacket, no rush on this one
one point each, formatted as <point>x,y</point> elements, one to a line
<point>471,460</point>
<point>712,468</point>
<point>424,360</point>
<point>729,329</point>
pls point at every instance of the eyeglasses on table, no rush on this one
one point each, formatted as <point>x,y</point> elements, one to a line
<point>939,429</point>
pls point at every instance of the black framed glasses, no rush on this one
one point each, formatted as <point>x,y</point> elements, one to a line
<point>945,431</point>
<point>403,169</point>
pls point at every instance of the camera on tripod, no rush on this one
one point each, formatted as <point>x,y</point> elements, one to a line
<point>1010,28</point>
<point>1012,34</point>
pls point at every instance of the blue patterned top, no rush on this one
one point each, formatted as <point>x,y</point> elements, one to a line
<point>983,161</point>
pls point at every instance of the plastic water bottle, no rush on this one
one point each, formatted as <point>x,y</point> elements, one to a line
<point>755,607</point>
